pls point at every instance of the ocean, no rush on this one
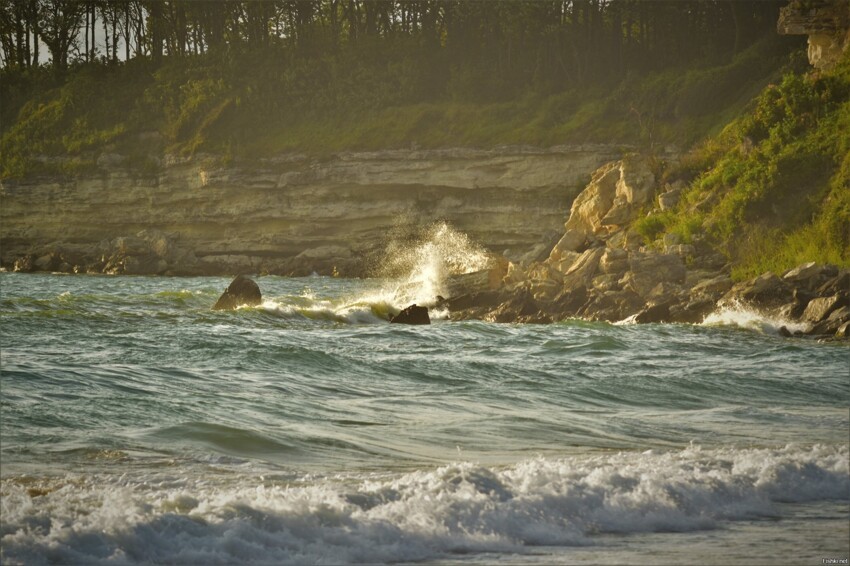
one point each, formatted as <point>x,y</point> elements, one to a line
<point>140,427</point>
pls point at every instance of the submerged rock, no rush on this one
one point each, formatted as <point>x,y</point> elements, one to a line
<point>241,291</point>
<point>414,314</point>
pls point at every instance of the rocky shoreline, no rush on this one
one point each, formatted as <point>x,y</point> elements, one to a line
<point>601,270</point>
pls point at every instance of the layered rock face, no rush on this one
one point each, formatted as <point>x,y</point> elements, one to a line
<point>826,22</point>
<point>290,215</point>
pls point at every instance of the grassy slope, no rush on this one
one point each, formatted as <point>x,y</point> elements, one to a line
<point>257,107</point>
<point>772,190</point>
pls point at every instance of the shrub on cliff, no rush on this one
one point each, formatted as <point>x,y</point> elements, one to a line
<point>774,190</point>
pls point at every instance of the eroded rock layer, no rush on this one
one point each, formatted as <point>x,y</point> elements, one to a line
<point>290,215</point>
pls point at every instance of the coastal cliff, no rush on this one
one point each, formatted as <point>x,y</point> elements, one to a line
<point>291,214</point>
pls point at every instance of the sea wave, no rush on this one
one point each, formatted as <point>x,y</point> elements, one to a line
<point>420,515</point>
<point>741,316</point>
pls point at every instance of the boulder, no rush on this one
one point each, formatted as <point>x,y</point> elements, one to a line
<point>414,314</point>
<point>714,287</point>
<point>612,306</point>
<point>837,285</point>
<point>670,199</point>
<point>241,291</point>
<point>654,313</point>
<point>693,312</point>
<point>810,276</point>
<point>581,273</point>
<point>833,323</point>
<point>818,309</point>
<point>648,270</point>
<point>614,261</point>
<point>767,291</point>
<point>23,264</point>
<point>519,308</point>
<point>568,302</point>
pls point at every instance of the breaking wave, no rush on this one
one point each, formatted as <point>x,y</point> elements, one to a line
<point>421,515</point>
<point>414,270</point>
<point>740,316</point>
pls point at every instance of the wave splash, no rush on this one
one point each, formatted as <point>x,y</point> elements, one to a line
<point>741,316</point>
<point>416,269</point>
<point>422,515</point>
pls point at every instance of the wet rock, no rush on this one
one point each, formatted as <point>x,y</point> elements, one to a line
<point>473,300</point>
<point>144,265</point>
<point>843,330</point>
<point>714,287</point>
<point>692,312</point>
<point>23,264</point>
<point>568,302</point>
<point>832,323</point>
<point>241,291</point>
<point>612,306</point>
<point>414,314</point>
<point>521,305</point>
<point>837,285</point>
<point>766,291</point>
<point>654,313</point>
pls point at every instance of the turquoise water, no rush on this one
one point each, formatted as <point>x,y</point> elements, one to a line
<point>138,426</point>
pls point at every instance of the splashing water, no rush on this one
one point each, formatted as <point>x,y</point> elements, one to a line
<point>426,262</point>
<point>736,314</point>
<point>416,269</point>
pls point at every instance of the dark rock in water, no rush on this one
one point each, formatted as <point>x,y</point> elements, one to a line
<point>520,305</point>
<point>414,314</point>
<point>568,302</point>
<point>655,313</point>
<point>241,291</point>
<point>472,300</point>
<point>694,312</point>
<point>23,264</point>
<point>783,331</point>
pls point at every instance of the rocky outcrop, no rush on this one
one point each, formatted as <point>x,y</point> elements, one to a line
<point>599,270</point>
<point>289,215</point>
<point>414,314</point>
<point>241,291</point>
<point>826,22</point>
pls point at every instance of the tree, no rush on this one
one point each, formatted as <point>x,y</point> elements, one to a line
<point>59,23</point>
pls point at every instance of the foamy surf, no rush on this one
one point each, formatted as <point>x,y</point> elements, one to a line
<point>415,272</point>
<point>422,515</point>
<point>740,316</point>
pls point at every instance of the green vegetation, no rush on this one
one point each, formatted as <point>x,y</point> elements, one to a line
<point>240,108</point>
<point>253,78</point>
<point>772,190</point>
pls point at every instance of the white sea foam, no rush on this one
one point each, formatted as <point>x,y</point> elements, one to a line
<point>744,317</point>
<point>416,272</point>
<point>422,515</point>
<point>425,263</point>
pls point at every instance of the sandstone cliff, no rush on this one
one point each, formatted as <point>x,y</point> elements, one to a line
<point>292,214</point>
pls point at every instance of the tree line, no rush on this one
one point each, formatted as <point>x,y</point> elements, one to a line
<point>567,39</point>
